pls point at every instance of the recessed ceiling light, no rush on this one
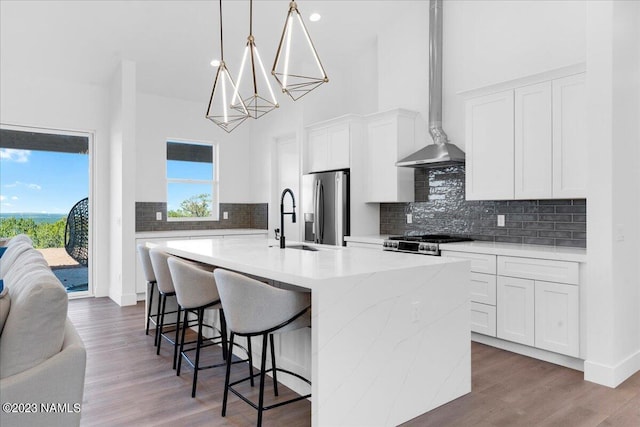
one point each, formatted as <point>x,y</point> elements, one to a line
<point>215,62</point>
<point>314,17</point>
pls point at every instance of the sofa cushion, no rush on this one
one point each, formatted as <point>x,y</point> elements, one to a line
<point>34,329</point>
<point>10,255</point>
<point>5,304</point>
<point>25,261</point>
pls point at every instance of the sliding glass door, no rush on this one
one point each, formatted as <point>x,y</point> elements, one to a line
<point>45,183</point>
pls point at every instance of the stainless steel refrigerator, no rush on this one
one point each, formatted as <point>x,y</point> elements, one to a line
<point>325,205</point>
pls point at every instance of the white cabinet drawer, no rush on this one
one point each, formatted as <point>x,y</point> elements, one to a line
<point>483,319</point>
<point>483,288</point>
<point>480,263</point>
<point>539,269</point>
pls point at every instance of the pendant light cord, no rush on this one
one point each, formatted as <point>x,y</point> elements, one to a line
<point>250,17</point>
<point>221,44</point>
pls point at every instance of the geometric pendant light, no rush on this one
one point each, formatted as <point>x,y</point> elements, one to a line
<point>257,104</point>
<point>221,111</point>
<point>297,67</point>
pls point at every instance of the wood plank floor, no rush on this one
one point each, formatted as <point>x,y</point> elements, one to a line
<point>128,385</point>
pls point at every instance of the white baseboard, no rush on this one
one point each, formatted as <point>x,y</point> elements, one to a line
<point>612,375</point>
<point>536,353</point>
<point>124,299</point>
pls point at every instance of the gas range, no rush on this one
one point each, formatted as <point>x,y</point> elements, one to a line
<point>426,244</point>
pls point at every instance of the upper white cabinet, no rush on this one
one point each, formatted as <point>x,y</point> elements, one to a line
<point>329,145</point>
<point>569,137</point>
<point>390,137</point>
<point>489,144</point>
<point>533,142</point>
<point>528,142</point>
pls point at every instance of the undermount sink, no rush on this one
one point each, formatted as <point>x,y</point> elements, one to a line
<point>300,247</point>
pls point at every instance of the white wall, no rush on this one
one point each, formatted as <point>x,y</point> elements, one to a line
<point>34,100</point>
<point>160,118</point>
<point>122,110</point>
<point>613,300</point>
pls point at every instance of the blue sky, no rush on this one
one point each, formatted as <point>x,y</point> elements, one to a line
<point>42,181</point>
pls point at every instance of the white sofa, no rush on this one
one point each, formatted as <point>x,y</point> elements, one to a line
<point>42,357</point>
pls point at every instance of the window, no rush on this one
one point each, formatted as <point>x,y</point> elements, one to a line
<point>192,181</point>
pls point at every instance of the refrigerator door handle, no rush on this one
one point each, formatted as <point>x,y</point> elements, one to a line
<point>339,210</point>
<point>320,212</point>
<point>316,209</point>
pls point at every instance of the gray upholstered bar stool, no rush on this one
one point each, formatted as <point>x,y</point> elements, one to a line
<point>196,291</point>
<point>166,290</point>
<point>150,277</point>
<point>253,308</point>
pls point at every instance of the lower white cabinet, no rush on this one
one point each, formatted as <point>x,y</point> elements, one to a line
<point>557,318</point>
<point>483,319</point>
<point>515,307</point>
<point>517,301</point>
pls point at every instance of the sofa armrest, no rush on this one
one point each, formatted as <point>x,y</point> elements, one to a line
<point>52,390</point>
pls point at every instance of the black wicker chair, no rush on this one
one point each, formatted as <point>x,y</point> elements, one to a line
<point>76,234</point>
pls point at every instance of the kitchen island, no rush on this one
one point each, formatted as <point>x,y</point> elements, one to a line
<point>390,336</point>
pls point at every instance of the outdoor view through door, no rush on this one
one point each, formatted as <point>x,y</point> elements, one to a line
<point>44,193</point>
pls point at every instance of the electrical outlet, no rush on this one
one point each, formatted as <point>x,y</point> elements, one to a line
<point>158,216</point>
<point>619,232</point>
<point>415,311</point>
<point>225,215</point>
<point>409,218</point>
<point>500,220</point>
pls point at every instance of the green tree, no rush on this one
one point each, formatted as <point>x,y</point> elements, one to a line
<point>195,206</point>
<point>44,235</point>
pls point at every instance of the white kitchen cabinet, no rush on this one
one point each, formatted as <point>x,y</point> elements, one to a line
<point>524,299</point>
<point>569,137</point>
<point>557,324</point>
<point>390,137</point>
<point>527,142</point>
<point>539,269</point>
<point>483,319</point>
<point>482,290</point>
<point>328,146</point>
<point>533,142</point>
<point>515,304</point>
<point>489,147</point>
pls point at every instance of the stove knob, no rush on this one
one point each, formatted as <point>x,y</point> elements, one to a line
<point>394,245</point>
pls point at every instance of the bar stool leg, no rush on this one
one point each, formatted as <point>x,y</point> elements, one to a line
<point>263,364</point>
<point>155,341</point>
<point>226,378</point>
<point>151,286</point>
<point>273,366</point>
<point>175,341</point>
<point>199,343</point>
<point>184,330</point>
<point>250,360</point>
<point>223,332</point>
<point>164,306</point>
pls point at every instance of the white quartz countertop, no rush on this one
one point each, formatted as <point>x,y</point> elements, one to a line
<point>518,250</point>
<point>200,233</point>
<point>264,258</point>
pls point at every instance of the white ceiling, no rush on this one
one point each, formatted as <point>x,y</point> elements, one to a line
<point>172,42</point>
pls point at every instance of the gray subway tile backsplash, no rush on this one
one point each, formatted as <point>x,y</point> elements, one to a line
<point>440,207</point>
<point>241,215</point>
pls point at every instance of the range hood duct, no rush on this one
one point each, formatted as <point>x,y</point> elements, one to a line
<point>441,152</point>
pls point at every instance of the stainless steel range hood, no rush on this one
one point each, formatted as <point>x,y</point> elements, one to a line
<point>441,152</point>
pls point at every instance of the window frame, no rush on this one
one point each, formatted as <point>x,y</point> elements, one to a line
<point>215,181</point>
